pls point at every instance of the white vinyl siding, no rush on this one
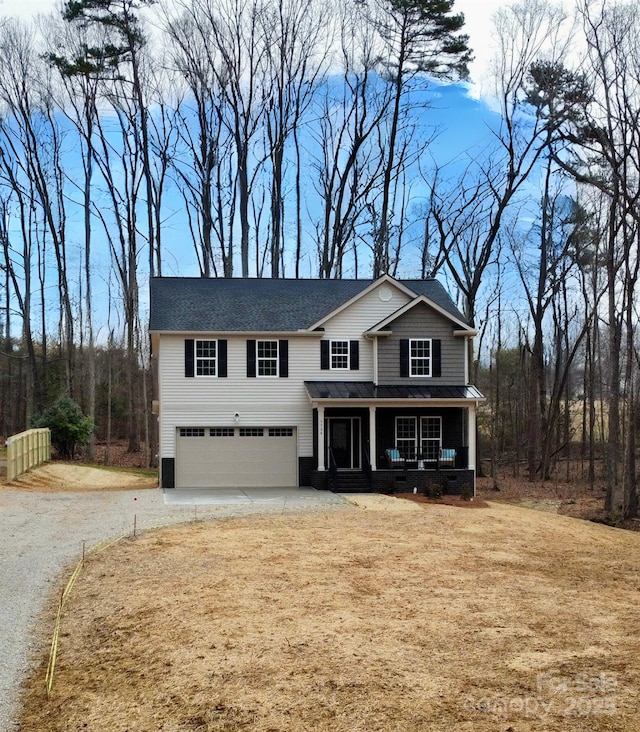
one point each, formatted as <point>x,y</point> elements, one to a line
<point>214,410</point>
<point>351,324</point>
<point>276,402</point>
<point>212,403</point>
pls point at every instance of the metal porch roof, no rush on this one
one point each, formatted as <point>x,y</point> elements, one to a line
<point>367,390</point>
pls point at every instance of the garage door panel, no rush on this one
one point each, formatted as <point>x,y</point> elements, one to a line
<point>237,461</point>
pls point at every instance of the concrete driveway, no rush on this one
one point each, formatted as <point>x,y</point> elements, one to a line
<point>286,497</point>
<point>42,537</point>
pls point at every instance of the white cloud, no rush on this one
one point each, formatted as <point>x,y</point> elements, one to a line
<point>479,26</point>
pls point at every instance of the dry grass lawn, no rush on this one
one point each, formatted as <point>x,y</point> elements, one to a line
<point>363,620</point>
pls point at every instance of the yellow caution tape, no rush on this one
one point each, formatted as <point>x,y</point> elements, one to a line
<point>96,549</point>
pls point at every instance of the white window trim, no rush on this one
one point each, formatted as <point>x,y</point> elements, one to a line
<point>416,358</point>
<point>263,359</point>
<point>418,442</point>
<point>198,359</point>
<point>416,427</point>
<point>422,440</point>
<point>348,355</point>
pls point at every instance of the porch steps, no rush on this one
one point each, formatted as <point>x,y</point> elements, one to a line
<point>352,482</point>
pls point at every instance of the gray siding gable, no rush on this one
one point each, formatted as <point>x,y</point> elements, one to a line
<point>190,304</point>
<point>422,322</point>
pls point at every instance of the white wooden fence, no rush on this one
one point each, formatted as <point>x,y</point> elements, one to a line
<point>26,450</point>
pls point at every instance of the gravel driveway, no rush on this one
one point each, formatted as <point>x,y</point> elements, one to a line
<point>41,536</point>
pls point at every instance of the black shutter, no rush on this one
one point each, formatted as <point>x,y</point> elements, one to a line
<point>189,346</point>
<point>324,355</point>
<point>354,355</point>
<point>222,358</point>
<point>283,356</point>
<point>404,357</point>
<point>251,358</point>
<point>436,359</point>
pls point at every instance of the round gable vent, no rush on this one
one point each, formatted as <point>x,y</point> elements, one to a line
<point>384,293</point>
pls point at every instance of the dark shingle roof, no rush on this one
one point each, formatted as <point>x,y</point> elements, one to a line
<point>368,390</point>
<point>185,304</point>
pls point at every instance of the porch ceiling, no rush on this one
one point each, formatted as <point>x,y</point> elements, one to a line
<point>368,391</point>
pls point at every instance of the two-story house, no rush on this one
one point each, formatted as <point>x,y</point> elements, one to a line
<point>342,384</point>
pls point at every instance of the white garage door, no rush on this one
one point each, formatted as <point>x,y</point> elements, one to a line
<point>236,457</point>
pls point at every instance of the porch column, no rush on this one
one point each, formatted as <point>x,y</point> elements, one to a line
<point>471,436</point>
<point>321,446</point>
<point>373,448</point>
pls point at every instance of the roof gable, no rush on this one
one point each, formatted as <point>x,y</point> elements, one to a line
<point>375,284</point>
<point>384,324</point>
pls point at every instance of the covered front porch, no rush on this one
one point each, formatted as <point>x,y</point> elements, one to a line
<point>393,438</point>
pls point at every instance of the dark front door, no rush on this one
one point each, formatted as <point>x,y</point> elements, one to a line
<point>344,441</point>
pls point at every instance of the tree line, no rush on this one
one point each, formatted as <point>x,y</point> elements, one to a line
<point>279,139</point>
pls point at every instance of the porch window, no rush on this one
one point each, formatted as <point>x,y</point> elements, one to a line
<point>430,437</point>
<point>206,358</point>
<point>407,436</point>
<point>420,357</point>
<point>267,358</point>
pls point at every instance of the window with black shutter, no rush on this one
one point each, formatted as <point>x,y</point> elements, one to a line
<point>222,358</point>
<point>189,350</point>
<point>354,356</point>
<point>420,357</point>
<point>404,357</point>
<point>251,358</point>
<point>283,359</point>
<point>324,355</point>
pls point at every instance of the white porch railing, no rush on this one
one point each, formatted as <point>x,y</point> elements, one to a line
<point>26,450</point>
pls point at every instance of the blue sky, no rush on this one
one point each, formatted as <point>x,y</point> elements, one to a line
<point>462,118</point>
<point>460,113</point>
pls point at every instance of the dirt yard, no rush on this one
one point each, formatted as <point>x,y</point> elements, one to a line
<point>60,476</point>
<point>391,616</point>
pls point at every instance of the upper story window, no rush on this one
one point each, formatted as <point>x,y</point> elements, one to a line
<point>267,358</point>
<point>206,358</point>
<point>339,355</point>
<point>420,357</point>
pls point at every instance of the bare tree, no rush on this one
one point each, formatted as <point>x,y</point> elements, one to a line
<point>124,45</point>
<point>31,146</point>
<point>420,38</point>
<point>606,147</point>
<point>80,78</point>
<point>349,113</point>
<point>296,50</point>
<point>204,151</point>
